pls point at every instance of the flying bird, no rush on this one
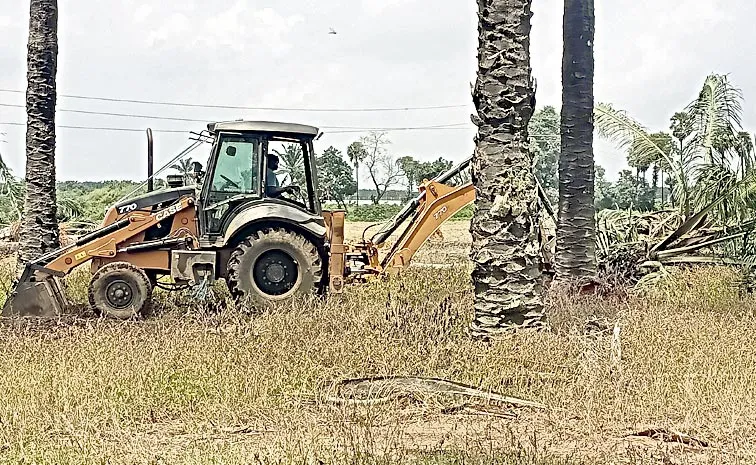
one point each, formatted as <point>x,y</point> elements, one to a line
<point>331,31</point>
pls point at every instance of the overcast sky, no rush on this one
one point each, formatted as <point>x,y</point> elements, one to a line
<point>651,59</point>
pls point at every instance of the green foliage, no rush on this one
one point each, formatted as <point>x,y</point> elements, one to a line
<point>335,178</point>
<point>546,145</point>
<point>370,213</point>
<point>292,164</point>
<point>356,153</point>
<point>705,154</point>
<point>631,192</point>
<point>416,171</point>
<point>184,167</point>
<point>384,212</point>
<point>88,201</point>
<point>602,189</point>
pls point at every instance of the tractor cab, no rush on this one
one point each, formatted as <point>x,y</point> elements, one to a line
<point>257,166</point>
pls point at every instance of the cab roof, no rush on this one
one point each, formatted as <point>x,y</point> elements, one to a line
<point>263,126</point>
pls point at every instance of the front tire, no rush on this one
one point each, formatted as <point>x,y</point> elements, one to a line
<point>120,290</point>
<point>274,265</point>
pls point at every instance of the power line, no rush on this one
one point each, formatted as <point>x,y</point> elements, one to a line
<point>106,113</point>
<point>236,107</point>
<point>95,128</point>
<point>190,120</point>
<point>344,131</point>
<point>177,131</point>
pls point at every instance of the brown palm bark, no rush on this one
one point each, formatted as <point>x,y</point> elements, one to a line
<point>39,229</point>
<point>576,236</point>
<point>505,248</point>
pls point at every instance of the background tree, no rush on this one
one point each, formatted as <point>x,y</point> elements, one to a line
<point>357,154</point>
<point>632,193</point>
<point>602,191</point>
<point>184,167</point>
<point>431,169</point>
<point>291,164</point>
<point>40,227</point>
<point>335,178</point>
<point>415,172</point>
<point>384,171</point>
<point>576,232</point>
<point>505,249</point>
<point>665,142</point>
<point>545,143</point>
<point>410,169</point>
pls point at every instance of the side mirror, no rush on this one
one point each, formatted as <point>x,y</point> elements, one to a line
<point>231,151</point>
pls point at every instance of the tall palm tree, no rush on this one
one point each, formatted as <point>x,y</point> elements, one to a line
<point>40,229</point>
<point>576,233</point>
<point>357,154</point>
<point>505,249</point>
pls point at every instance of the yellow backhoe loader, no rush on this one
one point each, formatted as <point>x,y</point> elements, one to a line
<point>237,221</point>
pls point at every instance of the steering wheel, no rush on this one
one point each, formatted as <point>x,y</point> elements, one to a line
<point>230,182</point>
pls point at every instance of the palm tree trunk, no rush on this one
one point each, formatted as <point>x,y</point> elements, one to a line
<point>505,249</point>
<point>357,181</point>
<point>576,236</point>
<point>39,229</point>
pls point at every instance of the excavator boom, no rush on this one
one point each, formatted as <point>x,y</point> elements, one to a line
<point>437,202</point>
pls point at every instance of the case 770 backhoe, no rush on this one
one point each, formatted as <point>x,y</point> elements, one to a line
<point>268,243</point>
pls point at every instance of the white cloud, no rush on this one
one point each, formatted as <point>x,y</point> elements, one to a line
<point>377,7</point>
<point>242,28</point>
<point>143,12</point>
<point>173,29</point>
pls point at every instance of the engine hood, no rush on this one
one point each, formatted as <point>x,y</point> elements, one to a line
<point>153,198</point>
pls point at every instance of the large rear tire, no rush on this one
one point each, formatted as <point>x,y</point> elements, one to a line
<point>274,265</point>
<point>120,290</point>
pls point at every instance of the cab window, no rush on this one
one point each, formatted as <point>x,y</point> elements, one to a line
<point>236,171</point>
<point>235,178</point>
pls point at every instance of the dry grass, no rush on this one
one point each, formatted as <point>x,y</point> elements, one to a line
<point>192,386</point>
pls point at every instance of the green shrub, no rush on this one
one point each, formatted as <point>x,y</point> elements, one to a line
<point>384,212</point>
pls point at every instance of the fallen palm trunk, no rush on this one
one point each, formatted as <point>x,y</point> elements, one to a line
<point>370,391</point>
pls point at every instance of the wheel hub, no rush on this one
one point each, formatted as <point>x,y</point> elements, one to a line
<point>275,272</point>
<point>119,294</point>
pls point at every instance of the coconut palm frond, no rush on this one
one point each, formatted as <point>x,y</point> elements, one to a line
<point>744,188</point>
<point>712,182</point>
<point>717,114</point>
<point>616,126</point>
<point>70,210</point>
<point>292,162</point>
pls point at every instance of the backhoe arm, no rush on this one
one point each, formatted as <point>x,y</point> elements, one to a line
<point>439,203</point>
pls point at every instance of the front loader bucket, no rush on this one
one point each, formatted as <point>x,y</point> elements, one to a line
<point>43,298</point>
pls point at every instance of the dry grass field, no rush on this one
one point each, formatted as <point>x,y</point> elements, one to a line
<point>195,384</point>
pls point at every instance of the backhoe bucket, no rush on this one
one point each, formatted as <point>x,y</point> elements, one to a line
<point>42,298</point>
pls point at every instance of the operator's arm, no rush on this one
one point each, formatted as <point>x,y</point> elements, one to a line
<point>275,191</point>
